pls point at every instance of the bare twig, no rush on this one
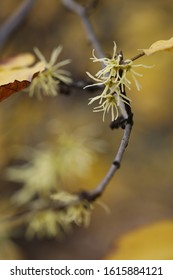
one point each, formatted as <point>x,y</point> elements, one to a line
<point>97,192</point>
<point>137,56</point>
<point>14,21</point>
<point>82,12</point>
<point>77,85</point>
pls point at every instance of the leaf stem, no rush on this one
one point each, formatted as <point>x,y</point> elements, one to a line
<point>137,56</point>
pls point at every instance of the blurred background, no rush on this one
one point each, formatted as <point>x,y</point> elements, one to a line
<point>141,193</point>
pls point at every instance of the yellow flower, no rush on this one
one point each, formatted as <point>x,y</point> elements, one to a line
<point>46,82</point>
<point>111,103</point>
<point>113,78</point>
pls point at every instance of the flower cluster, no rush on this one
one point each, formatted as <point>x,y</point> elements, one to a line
<point>46,82</point>
<point>46,176</point>
<point>52,167</point>
<point>54,222</point>
<point>113,77</point>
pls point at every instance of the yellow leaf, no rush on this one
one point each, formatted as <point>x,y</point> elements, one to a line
<point>17,61</point>
<point>21,74</point>
<point>162,45</point>
<point>153,242</point>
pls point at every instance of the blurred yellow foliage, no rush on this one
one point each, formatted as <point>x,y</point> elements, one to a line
<point>9,250</point>
<point>151,242</point>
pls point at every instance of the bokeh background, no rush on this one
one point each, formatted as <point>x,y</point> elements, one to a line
<point>141,193</point>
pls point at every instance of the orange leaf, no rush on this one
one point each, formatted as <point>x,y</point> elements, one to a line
<point>162,45</point>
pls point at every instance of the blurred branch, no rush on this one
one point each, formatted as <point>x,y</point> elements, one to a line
<point>14,21</point>
<point>77,85</point>
<point>83,13</point>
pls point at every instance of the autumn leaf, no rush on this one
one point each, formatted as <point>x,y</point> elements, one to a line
<point>9,89</point>
<point>162,45</point>
<point>15,74</point>
<point>18,61</point>
<point>152,242</point>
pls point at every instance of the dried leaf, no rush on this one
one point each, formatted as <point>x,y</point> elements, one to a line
<point>162,45</point>
<point>9,89</point>
<point>13,78</point>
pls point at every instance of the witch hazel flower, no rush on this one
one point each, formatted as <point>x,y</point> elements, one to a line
<point>114,77</point>
<point>47,81</point>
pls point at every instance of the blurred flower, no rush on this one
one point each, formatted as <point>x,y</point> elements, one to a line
<point>64,198</point>
<point>113,77</point>
<point>75,154</point>
<point>46,82</point>
<point>53,223</point>
<point>43,223</point>
<point>54,166</point>
<point>77,212</point>
<point>39,176</point>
